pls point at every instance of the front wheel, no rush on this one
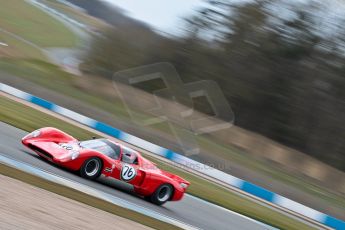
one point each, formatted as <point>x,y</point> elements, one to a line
<point>91,168</point>
<point>162,194</point>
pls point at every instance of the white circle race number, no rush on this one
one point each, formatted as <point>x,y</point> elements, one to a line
<point>128,172</point>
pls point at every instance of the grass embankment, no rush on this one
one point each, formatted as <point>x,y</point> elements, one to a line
<point>52,77</point>
<point>27,118</point>
<point>32,24</point>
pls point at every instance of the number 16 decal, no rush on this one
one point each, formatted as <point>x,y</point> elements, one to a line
<point>128,172</point>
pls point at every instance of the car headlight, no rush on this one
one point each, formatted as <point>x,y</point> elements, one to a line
<point>183,185</point>
<point>36,133</point>
<point>74,155</point>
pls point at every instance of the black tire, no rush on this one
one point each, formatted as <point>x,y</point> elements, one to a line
<point>91,168</point>
<point>162,194</point>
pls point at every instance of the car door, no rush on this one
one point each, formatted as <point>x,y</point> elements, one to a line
<point>128,169</point>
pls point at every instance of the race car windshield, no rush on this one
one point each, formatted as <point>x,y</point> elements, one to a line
<point>103,146</point>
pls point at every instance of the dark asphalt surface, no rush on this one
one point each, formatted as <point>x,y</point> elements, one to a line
<point>190,210</point>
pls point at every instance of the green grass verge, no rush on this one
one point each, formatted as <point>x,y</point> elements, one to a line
<point>27,118</point>
<point>34,25</point>
<point>19,49</point>
<point>83,198</point>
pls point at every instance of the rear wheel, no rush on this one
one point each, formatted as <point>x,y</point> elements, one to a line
<point>162,194</point>
<point>91,168</point>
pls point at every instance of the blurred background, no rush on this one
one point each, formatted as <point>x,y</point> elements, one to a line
<point>279,63</point>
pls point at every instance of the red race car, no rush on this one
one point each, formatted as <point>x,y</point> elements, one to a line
<point>102,156</point>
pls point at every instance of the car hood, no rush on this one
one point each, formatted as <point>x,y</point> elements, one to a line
<point>60,150</point>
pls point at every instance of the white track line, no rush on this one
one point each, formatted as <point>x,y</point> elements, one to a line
<point>3,44</point>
